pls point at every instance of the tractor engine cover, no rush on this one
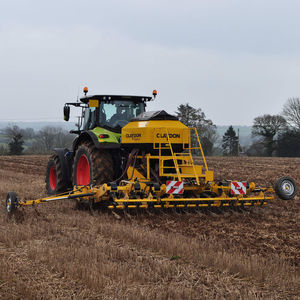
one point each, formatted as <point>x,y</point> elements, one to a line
<point>154,130</point>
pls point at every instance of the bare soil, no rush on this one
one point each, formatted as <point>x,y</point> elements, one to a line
<point>55,251</point>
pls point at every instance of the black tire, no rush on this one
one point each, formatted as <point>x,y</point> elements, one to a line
<point>11,203</point>
<point>100,164</point>
<point>54,180</point>
<point>286,188</point>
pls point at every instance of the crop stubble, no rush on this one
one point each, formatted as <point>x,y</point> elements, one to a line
<point>55,251</point>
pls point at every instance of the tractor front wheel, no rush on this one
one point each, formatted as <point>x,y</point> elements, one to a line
<point>54,176</point>
<point>92,166</point>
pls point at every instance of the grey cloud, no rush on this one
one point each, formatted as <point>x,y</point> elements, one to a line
<point>234,59</point>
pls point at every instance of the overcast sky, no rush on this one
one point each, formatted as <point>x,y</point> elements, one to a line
<point>234,59</point>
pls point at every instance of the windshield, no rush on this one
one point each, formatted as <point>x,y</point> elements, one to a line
<point>114,114</point>
<point>117,114</point>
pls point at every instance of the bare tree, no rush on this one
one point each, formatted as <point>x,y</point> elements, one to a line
<point>49,138</point>
<point>291,112</point>
<point>28,133</point>
<point>267,127</point>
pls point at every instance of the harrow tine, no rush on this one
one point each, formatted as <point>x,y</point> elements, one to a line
<point>200,212</point>
<point>149,211</point>
<point>217,210</point>
<point>189,211</point>
<point>178,211</point>
<point>127,213</point>
<point>116,215</point>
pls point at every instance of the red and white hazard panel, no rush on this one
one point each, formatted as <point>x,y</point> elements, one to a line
<point>174,187</point>
<point>238,188</point>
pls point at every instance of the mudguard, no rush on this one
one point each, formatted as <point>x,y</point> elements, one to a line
<point>112,143</point>
<point>91,136</point>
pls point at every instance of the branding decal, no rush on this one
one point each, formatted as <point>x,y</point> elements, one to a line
<point>171,136</point>
<point>134,136</point>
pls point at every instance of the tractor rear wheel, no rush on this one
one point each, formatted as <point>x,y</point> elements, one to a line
<point>92,166</point>
<point>54,176</point>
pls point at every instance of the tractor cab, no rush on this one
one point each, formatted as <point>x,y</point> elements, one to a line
<point>111,112</point>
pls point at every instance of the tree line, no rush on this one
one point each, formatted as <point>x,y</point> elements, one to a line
<point>274,135</point>
<point>42,141</point>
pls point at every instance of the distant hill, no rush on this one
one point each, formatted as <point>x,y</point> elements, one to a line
<point>39,125</point>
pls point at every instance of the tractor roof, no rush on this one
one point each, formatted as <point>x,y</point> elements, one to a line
<point>116,97</point>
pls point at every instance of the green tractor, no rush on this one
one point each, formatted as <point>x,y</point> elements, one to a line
<point>96,156</point>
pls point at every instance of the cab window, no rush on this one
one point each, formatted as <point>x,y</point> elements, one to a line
<point>89,118</point>
<point>117,114</point>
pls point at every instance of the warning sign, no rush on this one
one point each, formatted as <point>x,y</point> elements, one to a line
<point>238,188</point>
<point>174,187</point>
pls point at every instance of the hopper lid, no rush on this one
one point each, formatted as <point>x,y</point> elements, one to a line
<point>154,115</point>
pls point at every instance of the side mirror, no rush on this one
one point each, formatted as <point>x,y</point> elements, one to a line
<point>66,113</point>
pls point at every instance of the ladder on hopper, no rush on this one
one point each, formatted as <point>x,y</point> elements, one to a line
<point>183,162</point>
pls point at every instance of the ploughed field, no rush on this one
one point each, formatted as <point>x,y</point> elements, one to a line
<point>55,251</point>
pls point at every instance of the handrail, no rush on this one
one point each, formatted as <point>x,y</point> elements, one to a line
<point>176,156</point>
<point>173,156</point>
<point>201,149</point>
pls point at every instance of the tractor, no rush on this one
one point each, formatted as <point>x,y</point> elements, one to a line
<point>96,156</point>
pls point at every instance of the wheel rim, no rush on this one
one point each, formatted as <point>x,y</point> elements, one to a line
<point>8,205</point>
<point>83,171</point>
<point>288,187</point>
<point>52,178</point>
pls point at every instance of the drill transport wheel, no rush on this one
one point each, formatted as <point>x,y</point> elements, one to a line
<point>286,188</point>
<point>11,203</point>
